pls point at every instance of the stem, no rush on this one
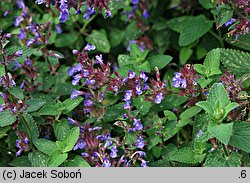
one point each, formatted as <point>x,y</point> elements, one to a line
<point>218,37</point>
<point>28,128</point>
<point>225,149</point>
<point>86,24</point>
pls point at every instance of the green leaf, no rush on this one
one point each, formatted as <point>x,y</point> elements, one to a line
<point>135,50</point>
<point>212,63</point>
<point>100,40</point>
<point>71,138</point>
<point>21,161</point>
<point>45,146</point>
<point>29,126</point>
<point>153,141</point>
<point>222,132</point>
<point>6,118</point>
<point>243,41</point>
<point>216,159</point>
<point>116,37</point>
<point>190,28</point>
<point>66,39</point>
<point>205,106</point>
<point>142,105</point>
<point>204,82</point>
<point>241,136</point>
<point>185,54</point>
<point>2,72</point>
<point>224,14</point>
<point>78,161</point>
<point>113,112</point>
<point>190,112</point>
<point>206,4</point>
<point>61,128</point>
<point>218,96</point>
<point>124,60</point>
<point>16,92</point>
<point>4,130</point>
<point>237,61</point>
<point>38,159</point>
<point>27,52</point>
<point>145,66</point>
<point>57,158</point>
<point>51,110</point>
<point>186,155</point>
<point>171,101</point>
<point>159,61</point>
<point>34,104</point>
<point>70,104</point>
<point>130,138</point>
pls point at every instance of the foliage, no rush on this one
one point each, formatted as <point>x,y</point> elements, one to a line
<point>123,83</point>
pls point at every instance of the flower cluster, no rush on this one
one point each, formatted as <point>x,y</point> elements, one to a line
<point>101,150</point>
<point>22,143</point>
<point>64,6</point>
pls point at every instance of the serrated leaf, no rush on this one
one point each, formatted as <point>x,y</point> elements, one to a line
<point>130,138</point>
<point>153,141</point>
<point>57,158</point>
<point>51,110</point>
<point>60,129</point>
<point>142,105</point>
<point>21,161</point>
<point>224,14</point>
<point>204,82</point>
<point>243,41</point>
<point>71,138</point>
<point>124,60</point>
<point>190,112</point>
<point>237,61</point>
<point>29,126</point>
<point>38,159</point>
<point>190,28</point>
<point>6,118</point>
<point>205,106</point>
<point>113,112</point>
<point>66,39</point>
<point>217,160</point>
<point>45,146</point>
<point>159,61</point>
<point>186,155</point>
<point>222,132</point>
<point>78,161</point>
<point>100,40</point>
<point>16,92</point>
<point>241,136</point>
<point>4,130</point>
<point>34,104</point>
<point>185,54</point>
<point>212,63</point>
<point>218,96</point>
<point>70,104</point>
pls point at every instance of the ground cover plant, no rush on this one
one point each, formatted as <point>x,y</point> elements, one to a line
<point>124,83</point>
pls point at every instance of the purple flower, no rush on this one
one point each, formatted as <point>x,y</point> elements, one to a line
<point>6,12</point>
<point>143,77</point>
<point>84,155</point>
<point>108,14</point>
<point>126,105</point>
<point>19,53</point>
<point>26,140</point>
<point>1,107</point>
<point>75,94</point>
<point>106,163</point>
<point>99,59</point>
<point>71,121</point>
<point>18,20</point>
<point>95,128</point>
<point>90,81</point>
<point>139,142</point>
<point>80,144</point>
<point>22,85</point>
<point>40,1</point>
<point>128,95</point>
<point>131,74</point>
<point>22,34</point>
<point>141,153</point>
<point>143,163</point>
<point>16,66</point>
<point>146,87</point>
<point>76,79</point>
<point>108,143</point>
<point>90,47</point>
<point>64,15</point>
<point>124,116</point>
<point>200,132</point>
<point>114,151</point>
<point>29,42</point>
<point>145,14</point>
<point>230,22</point>
<point>178,81</point>
<point>58,28</point>
<point>19,152</point>
<point>88,103</point>
<point>158,98</point>
<point>89,12</point>
<point>137,124</point>
<point>135,1</point>
<point>20,4</point>
<point>138,90</point>
<point>115,88</point>
<point>28,61</point>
